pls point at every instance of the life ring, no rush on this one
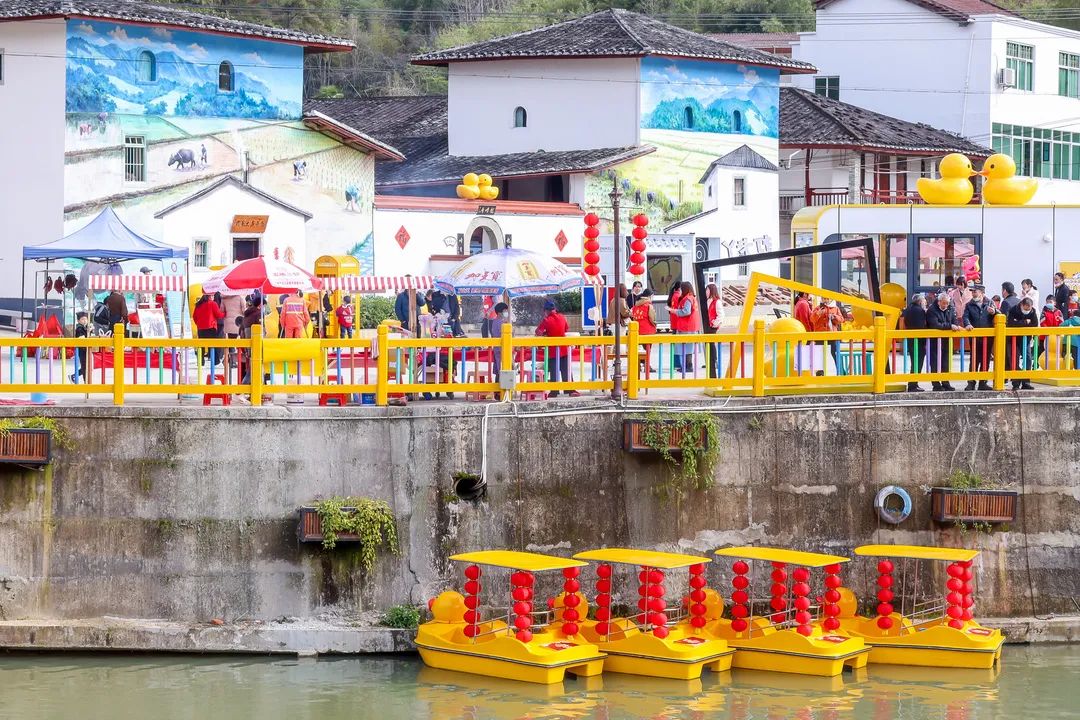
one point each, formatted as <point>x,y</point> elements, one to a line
<point>891,516</point>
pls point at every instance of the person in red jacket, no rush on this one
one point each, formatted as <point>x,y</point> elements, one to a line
<point>803,310</point>
<point>206,317</point>
<point>555,325</point>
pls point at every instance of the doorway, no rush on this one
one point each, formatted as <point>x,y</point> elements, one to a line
<point>245,248</point>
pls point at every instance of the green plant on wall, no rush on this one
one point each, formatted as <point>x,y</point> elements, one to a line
<point>371,520</point>
<point>963,481</point>
<point>402,616</point>
<point>60,434</point>
<point>692,462</point>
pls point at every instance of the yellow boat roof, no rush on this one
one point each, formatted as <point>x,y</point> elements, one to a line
<point>918,552</point>
<point>791,557</point>
<point>533,562</point>
<point>649,558</point>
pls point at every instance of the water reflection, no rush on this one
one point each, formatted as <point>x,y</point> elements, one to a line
<point>1035,682</point>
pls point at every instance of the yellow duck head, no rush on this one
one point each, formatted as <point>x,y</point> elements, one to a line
<point>953,187</point>
<point>477,187</point>
<point>998,167</point>
<point>448,607</point>
<point>956,166</point>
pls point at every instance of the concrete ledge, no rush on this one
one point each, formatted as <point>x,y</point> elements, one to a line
<point>302,637</point>
<point>314,637</point>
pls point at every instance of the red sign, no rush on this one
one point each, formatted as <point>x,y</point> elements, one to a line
<point>561,241</point>
<point>249,224</point>
<point>402,236</point>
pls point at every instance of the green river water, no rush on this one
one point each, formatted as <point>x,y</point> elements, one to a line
<point>1039,682</point>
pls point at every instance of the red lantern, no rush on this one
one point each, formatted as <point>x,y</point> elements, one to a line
<point>638,246</point>
<point>740,582</point>
<point>739,625</point>
<point>778,575</point>
<point>472,587</point>
<point>832,581</point>
<point>740,597</point>
<point>592,219</point>
<point>833,596</point>
<point>657,604</point>
<point>523,622</point>
<point>471,616</point>
<point>639,233</point>
<point>524,636</point>
<point>778,603</point>
<point>470,631</point>
<point>885,581</point>
<point>592,233</point>
<point>740,567</point>
<point>830,623</point>
<point>804,630</point>
<point>592,270</point>
<point>832,569</point>
<point>956,624</point>
<point>570,628</point>
<point>697,582</point>
<point>637,258</point>
<point>739,611</point>
<point>592,246</point>
<point>778,590</point>
<point>955,570</point>
<point>884,609</point>
<point>603,571</point>
<point>571,601</point>
<point>697,609</point>
<point>522,593</point>
<point>641,220</point>
<point>603,613</point>
<point>571,615</point>
<point>571,586</point>
<point>602,628</point>
<point>884,622</point>
<point>592,258</point>
<point>660,631</point>
<point>882,595</point>
<point>885,567</point>
<point>472,602</point>
<point>697,596</point>
<point>955,584</point>
<point>522,608</point>
<point>472,572</point>
<point>603,585</point>
<point>699,622</point>
<point>636,270</point>
<point>803,617</point>
<point>801,574</point>
<point>802,603</point>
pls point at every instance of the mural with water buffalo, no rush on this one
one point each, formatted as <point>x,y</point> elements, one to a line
<point>155,115</point>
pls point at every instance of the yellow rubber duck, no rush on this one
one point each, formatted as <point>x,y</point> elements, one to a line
<point>953,187</point>
<point>1001,187</point>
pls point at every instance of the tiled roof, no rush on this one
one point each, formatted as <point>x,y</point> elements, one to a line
<point>230,180</point>
<point>811,120</point>
<point>741,157</point>
<point>416,127</point>
<point>610,33</point>
<point>779,43</point>
<point>169,16</point>
<point>958,10</point>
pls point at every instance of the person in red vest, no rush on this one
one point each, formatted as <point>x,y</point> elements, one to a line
<point>715,306</point>
<point>644,314</point>
<point>689,323</point>
<point>555,325</point>
<point>344,315</point>
<point>675,322</point>
<point>802,311</point>
<point>487,314</point>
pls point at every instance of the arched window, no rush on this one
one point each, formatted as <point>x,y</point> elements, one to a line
<point>689,118</point>
<point>225,76</point>
<point>147,66</point>
<point>521,118</point>
<point>736,121</point>
<point>476,241</point>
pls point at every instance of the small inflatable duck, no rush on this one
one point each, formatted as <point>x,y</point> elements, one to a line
<point>477,187</point>
<point>1001,187</point>
<point>953,187</point>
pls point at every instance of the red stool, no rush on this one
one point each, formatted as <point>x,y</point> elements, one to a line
<point>339,399</point>
<point>224,398</point>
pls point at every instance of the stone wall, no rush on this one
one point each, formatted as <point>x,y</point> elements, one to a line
<point>190,513</point>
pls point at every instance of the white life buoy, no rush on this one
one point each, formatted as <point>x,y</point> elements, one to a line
<point>892,515</point>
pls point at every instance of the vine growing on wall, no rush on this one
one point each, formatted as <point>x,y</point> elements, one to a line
<point>964,481</point>
<point>372,521</point>
<point>60,434</point>
<point>689,442</point>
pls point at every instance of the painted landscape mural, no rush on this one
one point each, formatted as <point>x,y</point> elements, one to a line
<point>693,112</point>
<point>157,71</point>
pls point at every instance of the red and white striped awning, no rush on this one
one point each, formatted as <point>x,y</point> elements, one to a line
<point>138,283</point>
<point>378,283</point>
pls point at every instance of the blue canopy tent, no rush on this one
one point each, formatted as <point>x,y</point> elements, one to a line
<point>105,239</point>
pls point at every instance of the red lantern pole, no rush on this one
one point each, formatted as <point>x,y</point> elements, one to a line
<point>652,602</point>
<point>697,595</point>
<point>570,613</point>
<point>521,584</point>
<point>801,589</point>
<point>967,599</point>
<point>831,607</point>
<point>739,596</point>
<point>472,589</point>
<point>616,370</point>
<point>954,600</point>
<point>603,600</point>
<point>885,594</point>
<point>779,592</point>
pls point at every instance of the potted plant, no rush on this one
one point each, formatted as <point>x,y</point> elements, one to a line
<point>352,520</point>
<point>967,500</point>
<point>28,441</point>
<point>687,441</point>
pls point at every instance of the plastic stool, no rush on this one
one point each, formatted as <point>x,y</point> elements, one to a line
<point>479,395</point>
<point>223,397</point>
<point>339,399</point>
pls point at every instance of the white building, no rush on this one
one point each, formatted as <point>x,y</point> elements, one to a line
<point>966,66</point>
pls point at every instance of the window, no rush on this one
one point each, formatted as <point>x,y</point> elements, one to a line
<point>225,76</point>
<point>828,85</point>
<point>1069,75</point>
<point>521,118</point>
<point>940,260</point>
<point>147,66</point>
<point>1039,152</point>
<point>710,189</point>
<point>739,195</point>
<point>200,253</point>
<point>736,121</point>
<point>134,158</point>
<point>689,112</point>
<point>1020,59</point>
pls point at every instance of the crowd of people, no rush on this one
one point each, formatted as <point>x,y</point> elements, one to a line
<point>962,309</point>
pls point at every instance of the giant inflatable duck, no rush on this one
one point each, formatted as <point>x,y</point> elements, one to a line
<point>953,187</point>
<point>1001,187</point>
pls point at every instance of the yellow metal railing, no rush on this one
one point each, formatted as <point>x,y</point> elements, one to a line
<point>378,370</point>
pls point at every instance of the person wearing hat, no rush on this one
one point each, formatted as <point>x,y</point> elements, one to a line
<point>979,313</point>
<point>501,313</point>
<point>940,316</point>
<point>555,325</point>
<point>1018,349</point>
<point>344,314</point>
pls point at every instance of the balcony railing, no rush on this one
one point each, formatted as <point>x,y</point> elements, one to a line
<point>791,201</point>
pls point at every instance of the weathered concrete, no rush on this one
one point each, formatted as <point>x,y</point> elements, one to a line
<point>189,514</point>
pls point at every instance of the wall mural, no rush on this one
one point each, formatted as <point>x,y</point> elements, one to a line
<point>159,88</point>
<point>157,71</point>
<point>693,112</point>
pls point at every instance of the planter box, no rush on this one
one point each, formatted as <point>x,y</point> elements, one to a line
<point>309,529</point>
<point>634,432</point>
<point>20,446</point>
<point>990,506</point>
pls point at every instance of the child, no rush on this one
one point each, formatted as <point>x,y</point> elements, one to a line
<point>1051,315</point>
<point>1070,344</point>
<point>345,317</point>
<point>82,322</point>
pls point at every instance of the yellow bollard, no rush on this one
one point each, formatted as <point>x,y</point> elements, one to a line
<point>118,363</point>
<point>255,365</point>
<point>506,362</point>
<point>759,359</point>
<point>382,379</point>
<point>880,355</point>
<point>999,351</point>
<point>632,367</point>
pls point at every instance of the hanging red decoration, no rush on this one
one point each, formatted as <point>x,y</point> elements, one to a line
<point>638,246</point>
<point>570,616</point>
<point>641,219</point>
<point>739,598</point>
<point>955,599</point>
<point>592,219</point>
<point>592,246</point>
<point>592,270</point>
<point>639,233</point>
<point>472,588</point>
<point>637,270</point>
<point>885,581</point>
<point>637,258</point>
<point>592,232</point>
<point>592,258</point>
<point>830,607</point>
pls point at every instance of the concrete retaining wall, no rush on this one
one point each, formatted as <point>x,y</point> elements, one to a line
<point>190,514</point>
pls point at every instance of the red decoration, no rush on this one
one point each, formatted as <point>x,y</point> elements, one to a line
<point>885,581</point>
<point>571,615</point>
<point>603,571</point>
<point>592,270</point>
<point>883,595</point>
<point>697,582</point>
<point>638,246</point>
<point>592,233</point>
<point>660,631</point>
<point>740,567</point>
<point>603,613</point>
<point>636,270</point>
<point>698,621</point>
<point>804,630</point>
<point>471,631</point>
<point>570,628</point>
<point>561,241</point>
<point>602,628</point>
<point>739,625</point>
<point>637,258</point>
<point>801,574</point>
<point>472,587</point>
<point>956,624</point>
<point>472,602</point>
<point>739,611</point>
<point>884,622</point>
<point>592,219</point>
<point>592,246</point>
<point>829,607</point>
<point>778,575</point>
<point>472,572</point>
<point>523,622</point>
<point>524,636</point>
<point>592,258</point>
<point>885,609</point>
<point>959,601</point>
<point>885,567</point>
<point>402,236</point>
<point>639,233</point>
<point>832,581</point>
<point>641,220</point>
<point>522,593</point>
<point>833,569</point>
<point>802,603</point>
<point>739,598</point>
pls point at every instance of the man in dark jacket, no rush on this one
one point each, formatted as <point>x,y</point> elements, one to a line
<point>1061,293</point>
<point>941,316</point>
<point>401,309</point>
<point>1019,353</point>
<point>915,319</point>
<point>1009,298</point>
<point>118,310</point>
<point>979,313</point>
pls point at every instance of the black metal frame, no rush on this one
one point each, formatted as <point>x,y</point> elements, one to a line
<point>866,243</point>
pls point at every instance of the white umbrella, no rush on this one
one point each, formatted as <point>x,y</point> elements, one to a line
<point>515,272</point>
<point>261,273</point>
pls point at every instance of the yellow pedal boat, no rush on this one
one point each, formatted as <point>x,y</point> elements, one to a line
<point>937,631</point>
<point>780,633</point>
<point>652,643</point>
<point>512,644</point>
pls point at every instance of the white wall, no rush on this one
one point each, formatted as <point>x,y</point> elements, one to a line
<point>211,217</point>
<point>31,144</point>
<point>571,104</point>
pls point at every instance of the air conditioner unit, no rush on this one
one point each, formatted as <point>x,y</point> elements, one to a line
<point>1007,77</point>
